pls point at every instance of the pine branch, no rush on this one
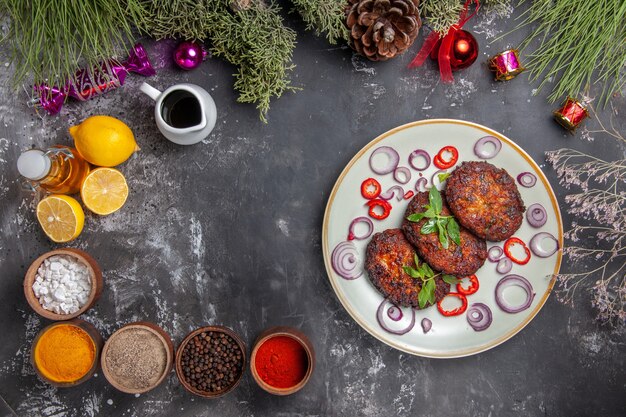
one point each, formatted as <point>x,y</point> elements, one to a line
<point>441,14</point>
<point>247,33</point>
<point>51,39</point>
<point>580,43</point>
<point>324,16</point>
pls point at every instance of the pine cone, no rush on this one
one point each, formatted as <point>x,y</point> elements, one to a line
<point>382,29</point>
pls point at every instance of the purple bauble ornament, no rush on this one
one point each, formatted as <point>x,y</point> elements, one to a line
<point>189,55</point>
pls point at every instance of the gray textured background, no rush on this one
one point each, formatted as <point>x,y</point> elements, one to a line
<point>229,232</point>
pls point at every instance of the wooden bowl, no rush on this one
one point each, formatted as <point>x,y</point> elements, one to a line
<point>294,334</point>
<point>94,272</point>
<point>179,353</point>
<point>167,345</point>
<point>93,334</point>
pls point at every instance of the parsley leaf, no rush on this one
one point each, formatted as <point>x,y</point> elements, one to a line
<point>423,297</point>
<point>446,227</point>
<point>450,279</point>
<point>441,229</point>
<point>416,217</point>
<point>429,227</point>
<point>434,197</point>
<point>454,231</point>
<point>444,176</point>
<point>424,272</point>
<point>412,272</point>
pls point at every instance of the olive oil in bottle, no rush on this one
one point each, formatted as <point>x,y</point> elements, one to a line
<point>59,170</point>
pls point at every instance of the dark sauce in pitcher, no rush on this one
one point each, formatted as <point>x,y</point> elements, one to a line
<point>181,109</point>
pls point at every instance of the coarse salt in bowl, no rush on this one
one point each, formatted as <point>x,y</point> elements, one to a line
<point>62,292</point>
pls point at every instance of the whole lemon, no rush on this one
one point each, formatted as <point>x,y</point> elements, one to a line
<point>104,140</point>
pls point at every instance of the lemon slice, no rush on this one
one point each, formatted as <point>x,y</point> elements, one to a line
<point>104,190</point>
<point>61,217</point>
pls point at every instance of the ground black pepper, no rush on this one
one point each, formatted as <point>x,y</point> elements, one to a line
<point>211,362</point>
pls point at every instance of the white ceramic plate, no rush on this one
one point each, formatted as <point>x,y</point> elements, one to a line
<point>450,336</point>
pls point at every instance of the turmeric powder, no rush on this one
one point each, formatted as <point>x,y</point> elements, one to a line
<point>64,353</point>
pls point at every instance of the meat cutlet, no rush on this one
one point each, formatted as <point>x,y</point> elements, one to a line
<point>386,254</point>
<point>485,200</point>
<point>458,260</point>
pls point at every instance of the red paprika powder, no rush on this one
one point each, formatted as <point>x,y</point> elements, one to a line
<point>281,362</point>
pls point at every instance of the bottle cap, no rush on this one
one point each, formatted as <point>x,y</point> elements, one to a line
<point>33,164</point>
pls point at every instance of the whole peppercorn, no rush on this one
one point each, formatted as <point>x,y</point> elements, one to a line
<point>211,362</point>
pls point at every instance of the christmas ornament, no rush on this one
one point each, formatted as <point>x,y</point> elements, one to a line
<point>382,29</point>
<point>506,65</point>
<point>571,114</point>
<point>88,84</point>
<point>446,53</point>
<point>189,55</point>
<point>464,50</point>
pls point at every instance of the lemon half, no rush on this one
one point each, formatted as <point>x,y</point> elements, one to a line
<point>61,217</point>
<point>104,190</point>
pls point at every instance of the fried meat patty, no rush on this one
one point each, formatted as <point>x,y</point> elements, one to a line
<point>459,261</point>
<point>485,200</point>
<point>386,254</point>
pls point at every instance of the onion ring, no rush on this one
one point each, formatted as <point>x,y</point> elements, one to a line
<point>344,261</point>
<point>381,319</point>
<point>395,190</point>
<point>351,230</point>
<point>536,215</point>
<point>482,152</point>
<point>479,316</point>
<point>402,171</point>
<point>527,179</point>
<point>426,325</point>
<point>494,253</point>
<point>392,163</point>
<point>518,281</point>
<point>417,154</point>
<point>394,313</point>
<point>504,265</point>
<point>420,184</point>
<point>540,251</point>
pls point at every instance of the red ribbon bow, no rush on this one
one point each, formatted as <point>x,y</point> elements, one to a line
<point>445,50</point>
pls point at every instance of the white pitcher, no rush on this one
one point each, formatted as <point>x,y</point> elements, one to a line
<point>184,113</point>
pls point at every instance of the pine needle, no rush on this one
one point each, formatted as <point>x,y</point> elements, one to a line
<point>51,39</point>
<point>580,43</point>
<point>441,14</point>
<point>324,16</point>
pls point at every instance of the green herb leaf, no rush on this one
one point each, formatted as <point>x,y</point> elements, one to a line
<point>430,212</point>
<point>434,197</point>
<point>443,236</point>
<point>428,227</point>
<point>416,259</point>
<point>415,217</point>
<point>454,231</point>
<point>423,297</point>
<point>430,290</point>
<point>410,271</point>
<point>450,279</point>
<point>428,271</point>
<point>444,176</point>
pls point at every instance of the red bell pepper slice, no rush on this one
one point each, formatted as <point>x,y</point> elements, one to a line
<point>408,194</point>
<point>508,245</point>
<point>378,203</point>
<point>456,311</point>
<point>439,160</point>
<point>370,188</point>
<point>471,289</point>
